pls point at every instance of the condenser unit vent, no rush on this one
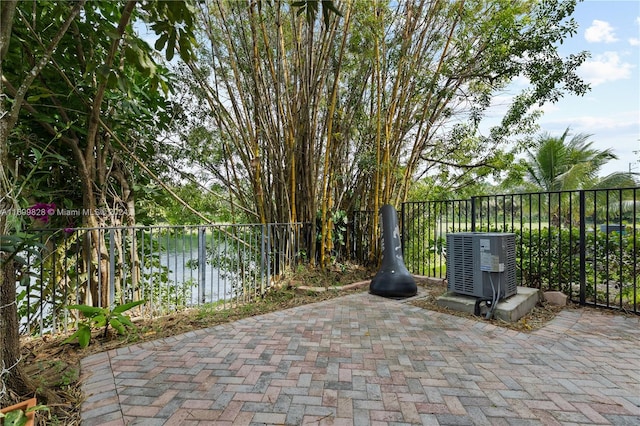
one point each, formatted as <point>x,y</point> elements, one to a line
<point>482,264</point>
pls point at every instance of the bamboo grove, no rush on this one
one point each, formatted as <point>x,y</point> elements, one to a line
<point>300,118</point>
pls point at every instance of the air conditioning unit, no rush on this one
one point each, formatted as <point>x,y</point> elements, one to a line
<point>482,264</point>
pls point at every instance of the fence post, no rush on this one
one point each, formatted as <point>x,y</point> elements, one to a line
<point>402,239</point>
<point>583,250</point>
<point>112,269</point>
<point>202,263</point>
<point>473,214</point>
<point>263,258</point>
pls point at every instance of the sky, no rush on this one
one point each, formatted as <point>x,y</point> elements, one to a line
<point>610,112</point>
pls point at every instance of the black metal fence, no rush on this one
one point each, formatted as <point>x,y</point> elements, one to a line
<point>584,243</point>
<point>170,267</point>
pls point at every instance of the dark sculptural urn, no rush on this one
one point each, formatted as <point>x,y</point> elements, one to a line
<point>393,279</point>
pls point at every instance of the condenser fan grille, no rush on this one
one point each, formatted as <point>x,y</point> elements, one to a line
<point>481,263</point>
<point>460,254</point>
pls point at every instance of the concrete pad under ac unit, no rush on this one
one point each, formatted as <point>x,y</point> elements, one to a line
<point>510,309</point>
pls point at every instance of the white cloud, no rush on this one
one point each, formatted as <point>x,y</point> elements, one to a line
<point>600,31</point>
<point>605,67</point>
<point>618,132</point>
<point>550,108</point>
<point>625,122</point>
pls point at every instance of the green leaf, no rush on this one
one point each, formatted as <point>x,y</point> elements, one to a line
<point>160,42</point>
<point>171,46</point>
<point>117,325</point>
<point>40,407</point>
<point>112,79</point>
<point>36,153</point>
<point>122,308</point>
<point>36,98</point>
<point>20,260</point>
<point>100,320</point>
<point>84,336</point>
<point>86,310</point>
<point>15,418</point>
<point>122,84</point>
<point>10,243</point>
<point>185,51</point>
<point>125,320</point>
<point>103,71</point>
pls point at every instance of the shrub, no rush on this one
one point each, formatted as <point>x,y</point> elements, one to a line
<point>101,317</point>
<point>549,259</point>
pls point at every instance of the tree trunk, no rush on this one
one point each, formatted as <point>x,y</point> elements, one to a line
<point>11,375</point>
<point>91,159</point>
<point>13,378</point>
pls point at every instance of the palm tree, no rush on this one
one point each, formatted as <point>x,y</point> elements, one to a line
<point>556,164</point>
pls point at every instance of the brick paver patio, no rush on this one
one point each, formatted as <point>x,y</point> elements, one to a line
<point>366,360</point>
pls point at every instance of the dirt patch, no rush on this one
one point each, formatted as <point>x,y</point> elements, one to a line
<point>541,314</point>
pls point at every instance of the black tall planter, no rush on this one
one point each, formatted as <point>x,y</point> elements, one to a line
<point>393,279</point>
